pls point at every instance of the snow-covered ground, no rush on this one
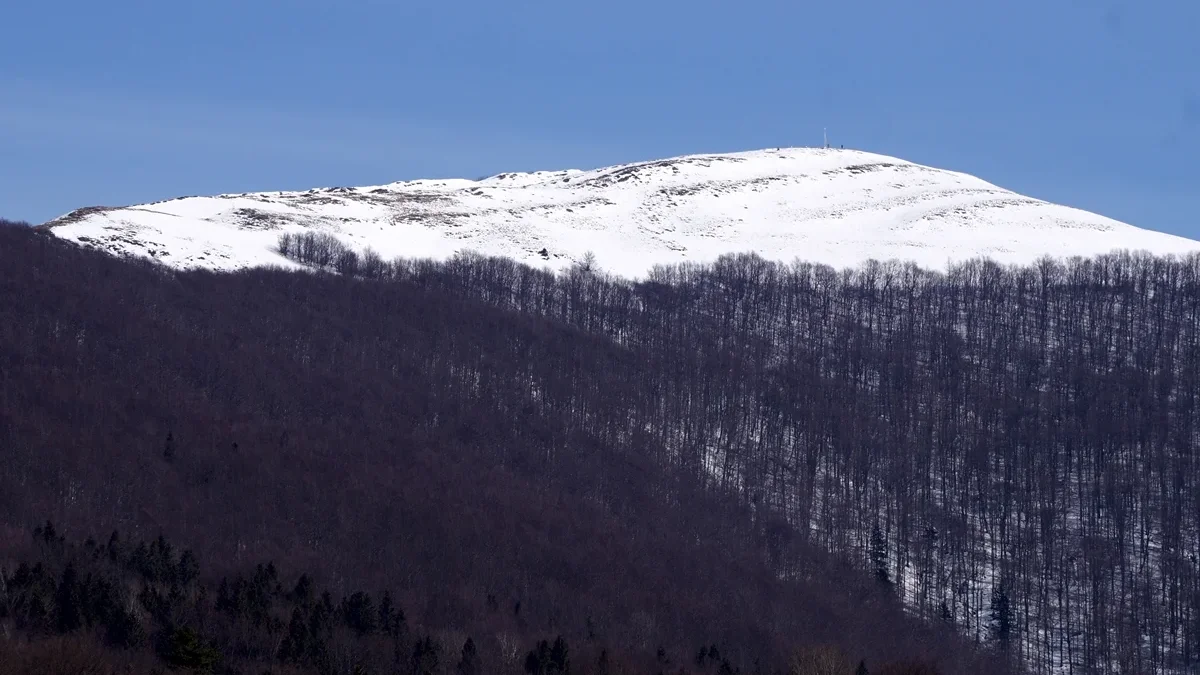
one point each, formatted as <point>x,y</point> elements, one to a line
<point>838,207</point>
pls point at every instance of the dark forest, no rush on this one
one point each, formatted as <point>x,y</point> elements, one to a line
<point>738,467</point>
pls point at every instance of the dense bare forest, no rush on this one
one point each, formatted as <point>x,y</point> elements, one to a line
<point>1010,449</point>
<point>515,476</point>
<point>748,454</point>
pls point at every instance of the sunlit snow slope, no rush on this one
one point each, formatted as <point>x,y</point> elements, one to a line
<point>838,207</point>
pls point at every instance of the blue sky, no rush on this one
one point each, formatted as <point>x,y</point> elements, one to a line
<point>1084,102</point>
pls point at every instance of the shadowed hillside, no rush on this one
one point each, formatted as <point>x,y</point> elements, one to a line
<point>481,465</point>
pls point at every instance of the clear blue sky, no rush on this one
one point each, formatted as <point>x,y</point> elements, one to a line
<point>1089,103</point>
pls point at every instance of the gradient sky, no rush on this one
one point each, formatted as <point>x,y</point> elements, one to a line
<point>1088,103</point>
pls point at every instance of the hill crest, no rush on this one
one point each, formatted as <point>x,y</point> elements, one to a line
<point>839,207</point>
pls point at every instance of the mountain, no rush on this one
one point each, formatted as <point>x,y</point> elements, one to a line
<point>838,207</point>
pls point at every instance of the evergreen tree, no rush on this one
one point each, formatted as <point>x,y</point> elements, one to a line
<point>68,606</point>
<point>169,447</point>
<point>294,646</point>
<point>114,547</point>
<point>226,599</point>
<point>862,669</point>
<point>879,557</point>
<point>123,630</point>
<point>946,614</point>
<point>425,657</point>
<point>47,533</point>
<point>469,663</point>
<point>359,614</point>
<point>1001,615</point>
<point>188,568</point>
<point>560,661</point>
<point>537,662</point>
<point>37,610</point>
<point>391,617</point>
<point>185,649</point>
<point>302,594</point>
<point>161,560</point>
<point>141,563</point>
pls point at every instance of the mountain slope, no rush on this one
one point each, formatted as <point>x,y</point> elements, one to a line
<point>494,470</point>
<point>838,207</point>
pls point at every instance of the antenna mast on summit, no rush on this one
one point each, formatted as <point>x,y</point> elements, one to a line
<point>826,132</point>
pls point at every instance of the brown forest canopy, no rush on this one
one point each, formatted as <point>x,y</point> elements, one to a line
<point>680,461</point>
<point>479,464</point>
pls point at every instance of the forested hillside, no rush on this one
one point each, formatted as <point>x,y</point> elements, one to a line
<point>747,454</point>
<point>556,475</point>
<point>1012,449</point>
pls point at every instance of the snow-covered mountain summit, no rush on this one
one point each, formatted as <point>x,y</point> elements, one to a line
<point>838,207</point>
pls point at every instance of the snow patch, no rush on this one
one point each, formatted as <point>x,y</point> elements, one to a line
<point>839,207</point>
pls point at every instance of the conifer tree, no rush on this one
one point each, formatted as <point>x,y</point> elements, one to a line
<point>946,614</point>
<point>68,604</point>
<point>114,546</point>
<point>294,646</point>
<point>389,618</point>
<point>302,594</point>
<point>123,630</point>
<point>560,661</point>
<point>358,613</point>
<point>538,661</point>
<point>188,568</point>
<point>425,657</point>
<point>879,557</point>
<point>1001,615</point>
<point>185,649</point>
<point>469,663</point>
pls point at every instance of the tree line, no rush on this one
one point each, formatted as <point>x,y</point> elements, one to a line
<point>113,606</point>
<point>147,606</point>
